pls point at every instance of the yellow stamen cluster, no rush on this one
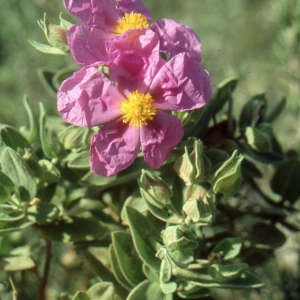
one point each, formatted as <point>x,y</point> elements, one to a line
<point>138,109</point>
<point>130,21</point>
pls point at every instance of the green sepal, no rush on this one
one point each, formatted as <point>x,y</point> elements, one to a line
<point>200,210</point>
<point>177,238</point>
<point>74,137</point>
<point>64,23</point>
<point>46,48</point>
<point>127,257</point>
<point>228,247</point>
<point>143,234</point>
<point>194,166</point>
<point>154,189</point>
<point>227,178</point>
<point>225,273</point>
<point>56,35</point>
<point>18,171</point>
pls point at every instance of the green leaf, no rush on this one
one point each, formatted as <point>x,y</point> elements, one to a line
<point>146,290</point>
<point>224,89</point>
<point>285,181</point>
<point>81,296</point>
<point>12,216</point>
<point>13,138</point>
<point>127,257</point>
<point>46,75</point>
<point>7,187</point>
<point>72,229</point>
<point>230,247</point>
<point>188,290</point>
<point>18,171</point>
<point>47,172</point>
<point>151,273</point>
<point>117,270</point>
<point>225,273</point>
<point>276,111</point>
<point>203,279</point>
<point>249,168</point>
<point>262,233</point>
<point>104,291</point>
<point>32,123</point>
<point>142,232</point>
<point>169,287</point>
<point>43,134</point>
<point>257,140</point>
<point>80,161</point>
<point>42,212</point>
<point>46,48</point>
<point>12,263</point>
<point>253,112</point>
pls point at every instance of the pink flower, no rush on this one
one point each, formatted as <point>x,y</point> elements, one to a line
<point>105,19</point>
<point>134,110</point>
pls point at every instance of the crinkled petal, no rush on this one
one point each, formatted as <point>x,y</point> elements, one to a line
<point>159,137</point>
<point>113,148</point>
<point>176,38</point>
<point>181,84</point>
<point>94,11</point>
<point>134,59</point>
<point>128,6</point>
<point>88,98</point>
<point>87,44</point>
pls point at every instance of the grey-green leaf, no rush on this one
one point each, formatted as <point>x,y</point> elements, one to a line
<point>230,247</point>
<point>18,171</point>
<point>42,212</point>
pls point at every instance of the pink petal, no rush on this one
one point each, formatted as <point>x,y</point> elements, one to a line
<point>88,98</point>
<point>176,38</point>
<point>128,6</point>
<point>87,44</point>
<point>114,148</point>
<point>181,84</point>
<point>94,11</point>
<point>134,59</point>
<point>159,137</point>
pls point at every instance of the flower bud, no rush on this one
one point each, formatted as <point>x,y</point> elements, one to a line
<point>193,167</point>
<point>56,35</point>
<point>154,189</point>
<point>227,178</point>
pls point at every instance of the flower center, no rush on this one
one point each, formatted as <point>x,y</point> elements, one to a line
<point>138,109</point>
<point>130,21</point>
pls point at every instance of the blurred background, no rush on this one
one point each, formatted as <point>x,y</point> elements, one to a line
<point>257,41</point>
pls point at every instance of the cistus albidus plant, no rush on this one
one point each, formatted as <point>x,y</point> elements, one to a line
<point>144,174</point>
